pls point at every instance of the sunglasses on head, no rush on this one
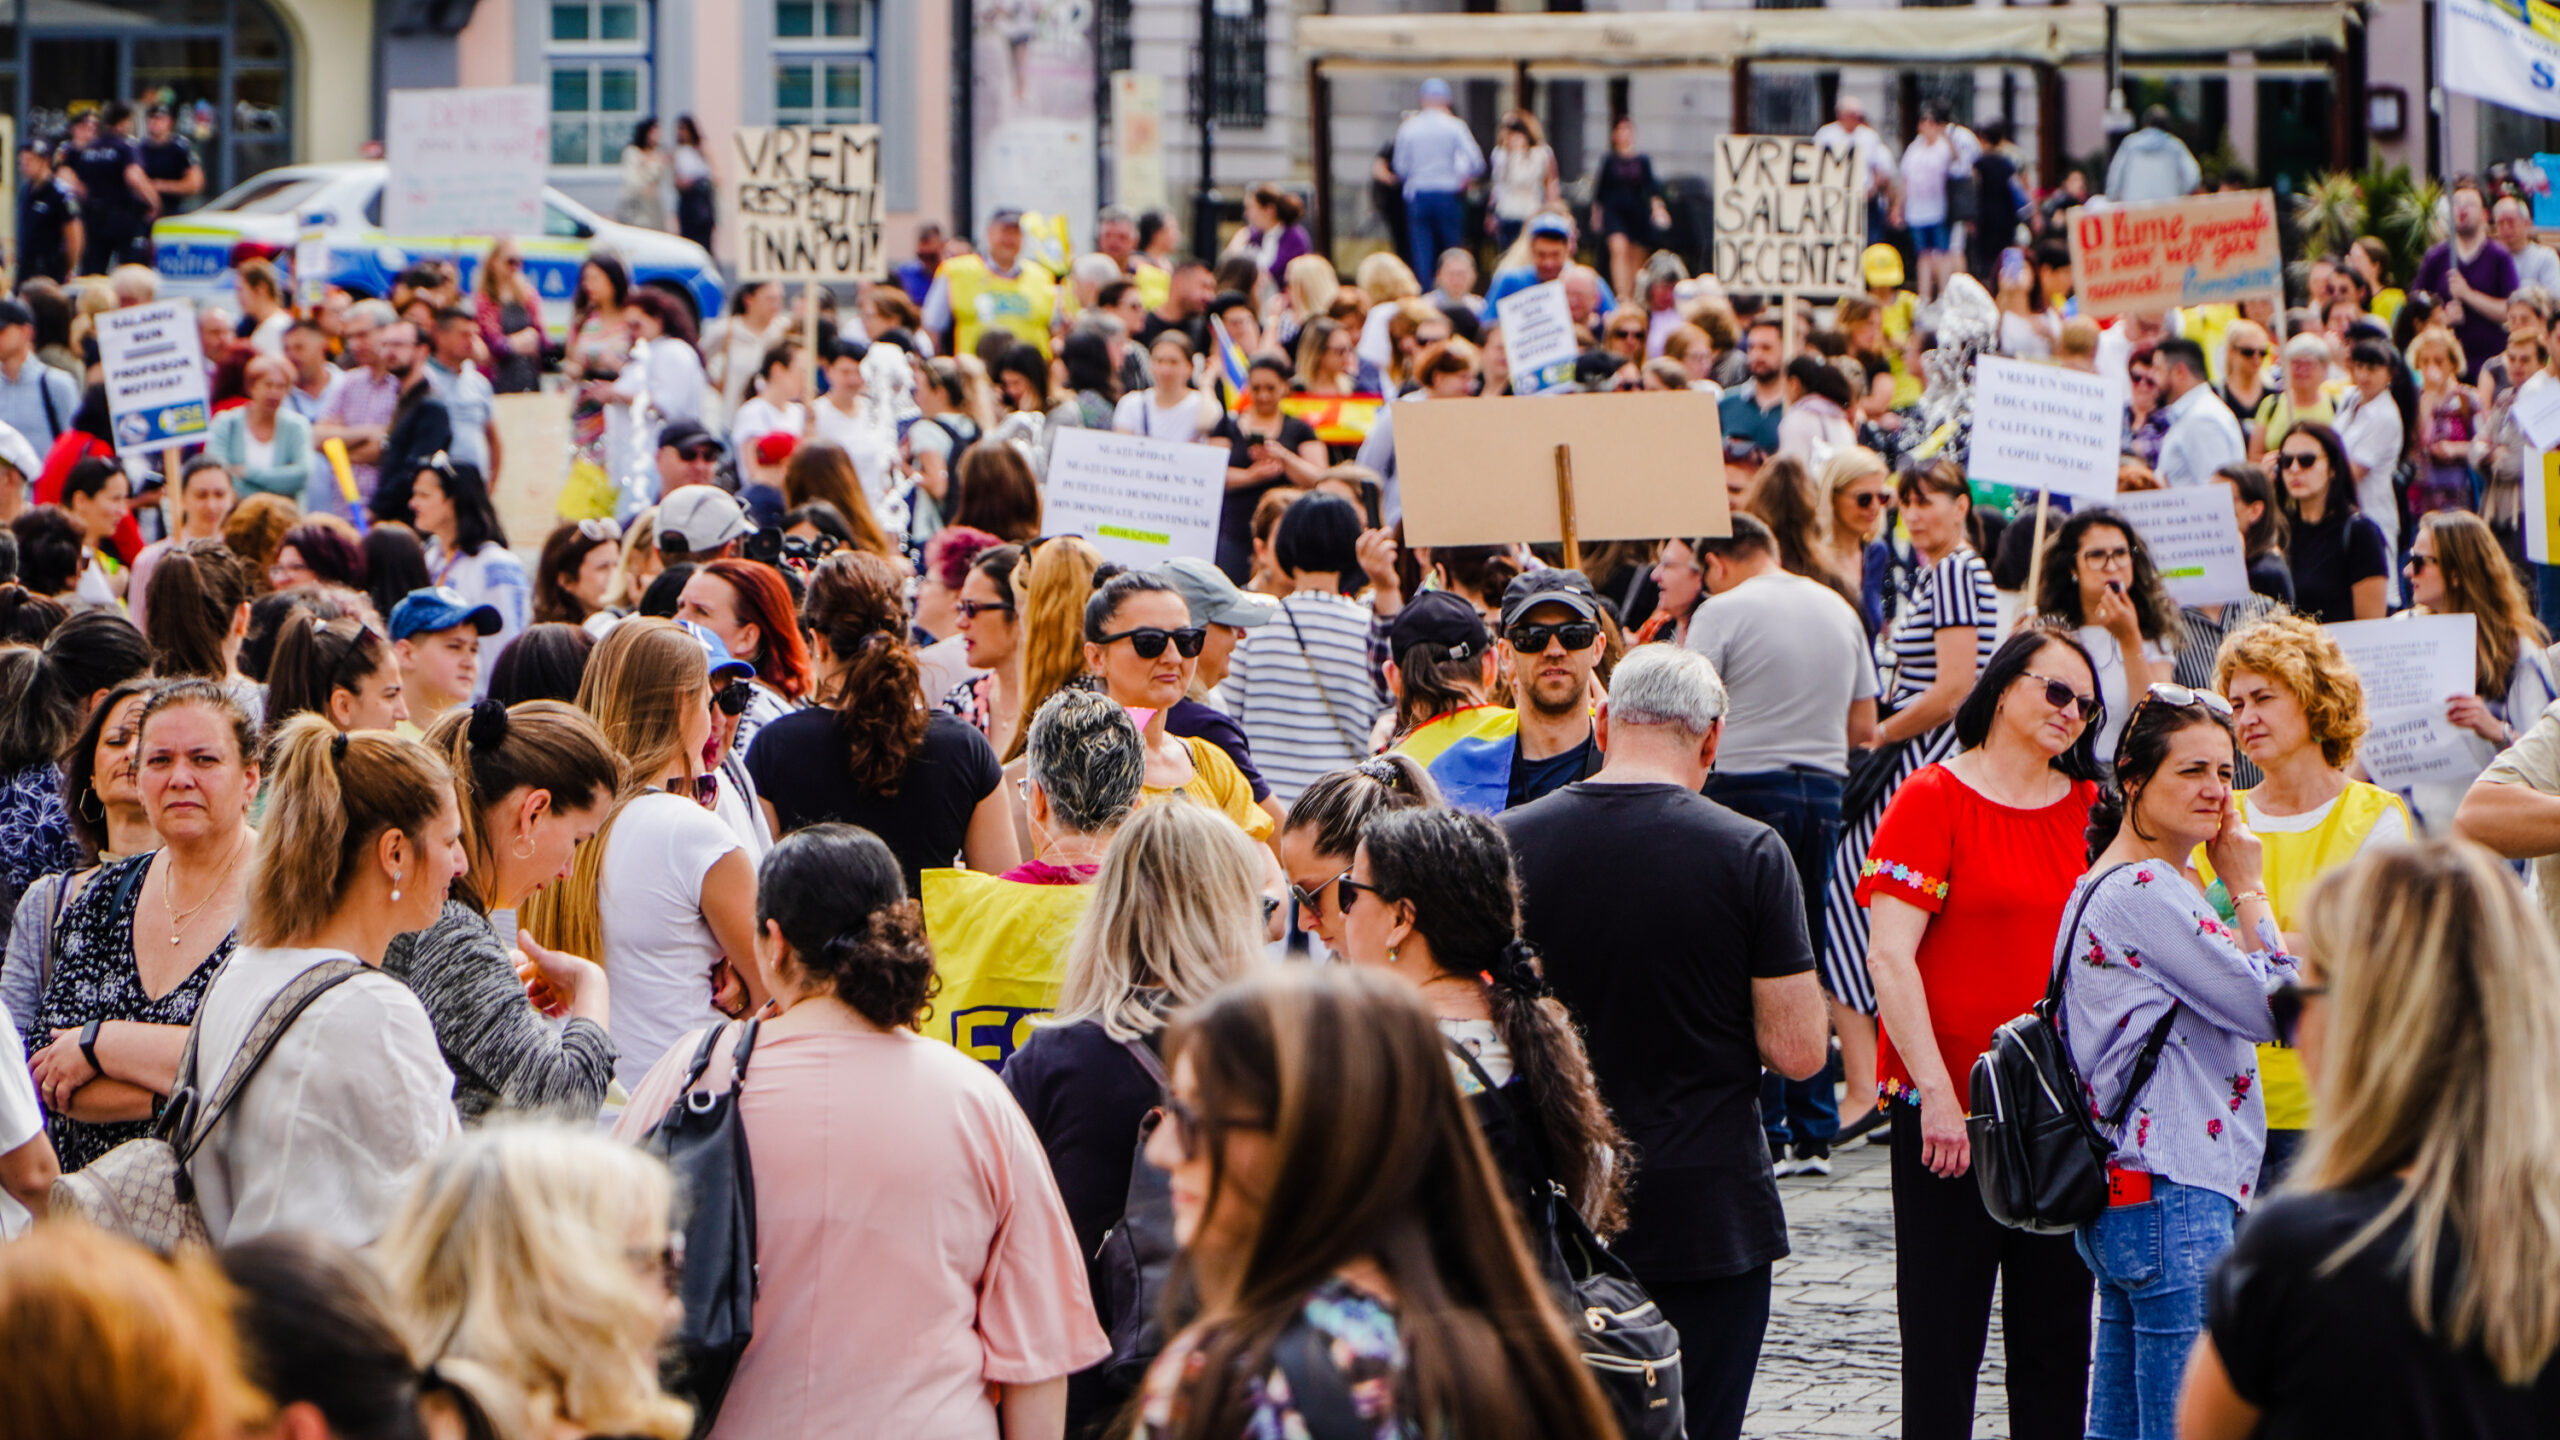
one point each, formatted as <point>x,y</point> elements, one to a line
<point>1149,641</point>
<point>2284,1006</point>
<point>732,698</point>
<point>599,531</point>
<point>2063,697</point>
<point>1531,639</point>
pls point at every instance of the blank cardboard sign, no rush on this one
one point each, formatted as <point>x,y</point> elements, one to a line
<point>1483,472</point>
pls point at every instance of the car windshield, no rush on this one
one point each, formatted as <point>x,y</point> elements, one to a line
<point>269,194</point>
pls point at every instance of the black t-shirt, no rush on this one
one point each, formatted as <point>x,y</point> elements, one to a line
<point>1537,779</point>
<point>2340,1355</point>
<point>101,165</point>
<point>1656,908</point>
<point>1189,719</point>
<point>45,211</point>
<point>2271,577</point>
<point>2328,559</point>
<point>799,764</point>
<point>168,159</point>
<point>1235,509</point>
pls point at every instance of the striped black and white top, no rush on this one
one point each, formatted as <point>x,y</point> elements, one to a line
<point>1955,591</point>
<point>1306,712</point>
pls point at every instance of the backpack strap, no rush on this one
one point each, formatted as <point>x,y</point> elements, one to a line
<point>1316,1387</point>
<point>2148,1059</point>
<point>287,1006</point>
<point>1145,1054</point>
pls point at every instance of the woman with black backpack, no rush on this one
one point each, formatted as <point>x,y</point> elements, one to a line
<point>2164,1006</point>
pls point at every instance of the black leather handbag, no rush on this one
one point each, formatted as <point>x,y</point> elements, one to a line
<point>703,1139</point>
<point>2038,1155</point>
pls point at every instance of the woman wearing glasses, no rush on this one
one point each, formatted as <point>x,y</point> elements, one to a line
<point>2340,559</point>
<point>1139,640</point>
<point>1967,879</point>
<point>1861,494</point>
<point>467,549</point>
<point>2163,1005</point>
<point>2300,711</point>
<point>2429,1020</point>
<point>2100,583</point>
<point>916,1261</point>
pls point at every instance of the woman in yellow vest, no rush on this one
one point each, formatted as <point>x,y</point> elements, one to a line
<point>2299,711</point>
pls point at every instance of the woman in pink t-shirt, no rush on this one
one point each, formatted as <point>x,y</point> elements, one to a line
<point>919,1276</point>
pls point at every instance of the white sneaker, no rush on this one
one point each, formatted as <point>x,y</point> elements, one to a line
<point>1809,1165</point>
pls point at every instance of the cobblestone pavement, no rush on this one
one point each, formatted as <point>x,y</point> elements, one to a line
<point>1831,1363</point>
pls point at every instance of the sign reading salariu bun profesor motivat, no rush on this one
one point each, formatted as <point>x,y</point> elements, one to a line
<point>1788,216</point>
<point>2169,254</point>
<point>804,203</point>
<point>154,367</point>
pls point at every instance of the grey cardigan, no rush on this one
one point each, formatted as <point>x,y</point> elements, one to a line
<point>503,1054</point>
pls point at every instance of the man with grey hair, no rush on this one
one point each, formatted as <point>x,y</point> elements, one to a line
<point>1675,930</point>
<point>2512,221</point>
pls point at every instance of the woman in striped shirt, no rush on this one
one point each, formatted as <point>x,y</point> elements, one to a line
<point>1303,689</point>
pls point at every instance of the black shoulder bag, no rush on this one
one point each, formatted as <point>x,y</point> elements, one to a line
<point>2039,1156</point>
<point>703,1139</point>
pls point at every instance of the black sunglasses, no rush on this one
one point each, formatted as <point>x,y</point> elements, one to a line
<point>2062,697</point>
<point>732,698</point>
<point>972,609</point>
<point>1533,639</point>
<point>1149,641</point>
<point>2284,1006</point>
<point>704,790</point>
<point>1187,1126</point>
<point>1311,901</point>
<point>2298,461</point>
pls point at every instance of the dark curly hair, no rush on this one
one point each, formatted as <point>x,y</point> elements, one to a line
<point>2058,593</point>
<point>838,896</point>
<point>858,605</point>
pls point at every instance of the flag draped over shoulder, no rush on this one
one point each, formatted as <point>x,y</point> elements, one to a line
<point>1227,364</point>
<point>1337,419</point>
<point>1468,753</point>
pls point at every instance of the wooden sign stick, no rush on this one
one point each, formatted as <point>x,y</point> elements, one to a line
<point>1564,506</point>
<point>2035,556</point>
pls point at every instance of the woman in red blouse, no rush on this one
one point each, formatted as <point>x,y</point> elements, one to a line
<point>1965,885</point>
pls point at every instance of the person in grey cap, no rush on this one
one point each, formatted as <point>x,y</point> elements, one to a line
<point>701,523</point>
<point>1437,158</point>
<point>1226,612</point>
<point>1552,630</point>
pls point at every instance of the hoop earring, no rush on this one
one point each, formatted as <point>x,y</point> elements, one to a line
<point>523,848</point>
<point>91,807</point>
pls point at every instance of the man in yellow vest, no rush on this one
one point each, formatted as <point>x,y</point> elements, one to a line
<point>993,290</point>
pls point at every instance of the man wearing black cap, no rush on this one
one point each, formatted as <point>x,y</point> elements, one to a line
<point>688,455</point>
<point>1551,627</point>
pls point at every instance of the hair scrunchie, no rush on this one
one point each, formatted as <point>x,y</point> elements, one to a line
<point>338,748</point>
<point>488,727</point>
<point>1517,971</point>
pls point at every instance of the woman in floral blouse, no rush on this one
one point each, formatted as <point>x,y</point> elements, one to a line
<point>2155,972</point>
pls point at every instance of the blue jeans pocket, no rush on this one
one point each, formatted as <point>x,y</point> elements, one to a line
<point>2127,1247</point>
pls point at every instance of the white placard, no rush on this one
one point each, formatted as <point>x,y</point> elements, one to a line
<point>1139,501</point>
<point>154,364</point>
<point>1537,336</point>
<point>2193,535</point>
<point>466,162</point>
<point>2410,667</point>
<point>1789,219</point>
<point>2537,410</point>
<point>2041,427</point>
<point>311,261</point>
<point>804,202</point>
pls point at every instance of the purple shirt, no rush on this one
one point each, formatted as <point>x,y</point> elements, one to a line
<point>2491,272</point>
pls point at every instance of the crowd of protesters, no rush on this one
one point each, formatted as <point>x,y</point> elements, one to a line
<point>808,924</point>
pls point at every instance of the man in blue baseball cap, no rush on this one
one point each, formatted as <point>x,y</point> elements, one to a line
<point>1437,158</point>
<point>436,633</point>
<point>1551,241</point>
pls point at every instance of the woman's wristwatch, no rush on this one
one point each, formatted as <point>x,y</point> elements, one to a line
<point>89,1046</point>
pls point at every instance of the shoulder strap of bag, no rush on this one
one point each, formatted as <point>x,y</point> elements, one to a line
<point>260,1042</point>
<point>1467,1058</point>
<point>2148,1059</point>
<point>2071,935</point>
<point>1148,1060</point>
<point>52,419</point>
<point>1316,1387</point>
<point>1359,744</point>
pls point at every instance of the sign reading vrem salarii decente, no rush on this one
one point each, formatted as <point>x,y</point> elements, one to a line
<point>1788,217</point>
<point>2169,254</point>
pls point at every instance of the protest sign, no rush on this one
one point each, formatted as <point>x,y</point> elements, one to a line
<point>1137,141</point>
<point>2503,51</point>
<point>2041,427</point>
<point>1483,472</point>
<point>1537,337</point>
<point>1139,501</point>
<point>2193,535</point>
<point>2409,668</point>
<point>2541,472</point>
<point>154,364</point>
<point>2536,407</point>
<point>1788,216</point>
<point>804,202</point>
<point>466,162</point>
<point>2204,249</point>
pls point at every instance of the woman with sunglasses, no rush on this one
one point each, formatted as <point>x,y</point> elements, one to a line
<point>2340,559</point>
<point>2417,1242</point>
<point>2163,1005</point>
<point>2300,711</point>
<point>1967,877</point>
<point>916,1261</point>
<point>1323,830</point>
<point>1345,1228</point>
<point>1140,642</point>
<point>467,549</point>
<point>2099,582</point>
<point>2457,567</point>
<point>2146,420</point>
<point>1942,634</point>
<point>1860,489</point>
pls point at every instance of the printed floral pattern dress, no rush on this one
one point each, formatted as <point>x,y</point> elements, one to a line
<point>1360,1337</point>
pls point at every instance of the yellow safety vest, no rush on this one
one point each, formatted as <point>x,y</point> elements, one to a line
<point>982,300</point>
<point>1000,947</point>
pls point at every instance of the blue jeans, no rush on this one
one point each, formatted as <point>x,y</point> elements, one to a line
<point>1439,221</point>
<point>1803,806</point>
<point>2151,1262</point>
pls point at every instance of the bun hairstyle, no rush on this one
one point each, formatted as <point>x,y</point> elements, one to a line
<point>314,659</point>
<point>330,796</point>
<point>194,594</point>
<point>26,618</point>
<point>858,604</point>
<point>2140,752</point>
<point>837,895</point>
<point>1340,806</point>
<point>494,751</point>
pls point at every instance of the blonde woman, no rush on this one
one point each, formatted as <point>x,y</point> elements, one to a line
<point>663,896</point>
<point>508,309</point>
<point>532,1270</point>
<point>2419,1240</point>
<point>1385,279</point>
<point>1175,914</point>
<point>1307,288</point>
<point>2457,567</point>
<point>1860,488</point>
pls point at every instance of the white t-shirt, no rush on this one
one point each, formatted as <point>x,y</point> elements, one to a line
<point>760,417</point>
<point>2109,658</point>
<point>863,441</point>
<point>21,1120</point>
<point>2371,431</point>
<point>1483,1041</point>
<point>1138,414</point>
<point>1794,656</point>
<point>1925,168</point>
<point>268,338</point>
<point>350,1105</point>
<point>657,947</point>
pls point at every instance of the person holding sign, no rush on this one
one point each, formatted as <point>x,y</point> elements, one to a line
<point>2341,561</point>
<point>2099,580</point>
<point>2456,567</point>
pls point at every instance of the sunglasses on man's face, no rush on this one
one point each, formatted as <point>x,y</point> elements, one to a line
<point>1533,639</point>
<point>1149,641</point>
<point>2063,697</point>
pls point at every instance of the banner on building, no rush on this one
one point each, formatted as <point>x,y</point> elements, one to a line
<point>2505,51</point>
<point>466,162</point>
<point>153,359</point>
<point>2169,254</point>
<point>1137,141</point>
<point>804,202</point>
<point>1031,102</point>
<point>1788,217</point>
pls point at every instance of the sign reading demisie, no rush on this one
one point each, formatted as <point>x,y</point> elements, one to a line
<point>806,203</point>
<point>154,366</point>
<point>1788,216</point>
<point>2204,249</point>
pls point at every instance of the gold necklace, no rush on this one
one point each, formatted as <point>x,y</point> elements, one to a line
<point>178,918</point>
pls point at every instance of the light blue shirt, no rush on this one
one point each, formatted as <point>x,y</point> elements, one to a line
<point>469,399</point>
<point>2203,437</point>
<point>1435,151</point>
<point>22,404</point>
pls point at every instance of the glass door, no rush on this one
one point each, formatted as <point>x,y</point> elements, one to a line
<point>70,76</point>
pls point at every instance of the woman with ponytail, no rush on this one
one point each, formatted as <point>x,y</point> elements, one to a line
<point>532,784</point>
<point>916,1260</point>
<point>46,695</point>
<point>360,842</point>
<point>198,614</point>
<point>340,670</point>
<point>928,784</point>
<point>2164,1006</point>
<point>1324,829</point>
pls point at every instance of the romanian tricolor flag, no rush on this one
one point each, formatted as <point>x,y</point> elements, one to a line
<point>1227,364</point>
<point>1468,753</point>
<point>1338,419</point>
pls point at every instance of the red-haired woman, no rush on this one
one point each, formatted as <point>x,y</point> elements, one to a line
<point>749,607</point>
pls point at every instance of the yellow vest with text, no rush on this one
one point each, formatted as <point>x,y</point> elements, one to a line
<point>982,300</point>
<point>1000,948</point>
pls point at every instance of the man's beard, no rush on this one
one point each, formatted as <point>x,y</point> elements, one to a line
<point>1558,709</point>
